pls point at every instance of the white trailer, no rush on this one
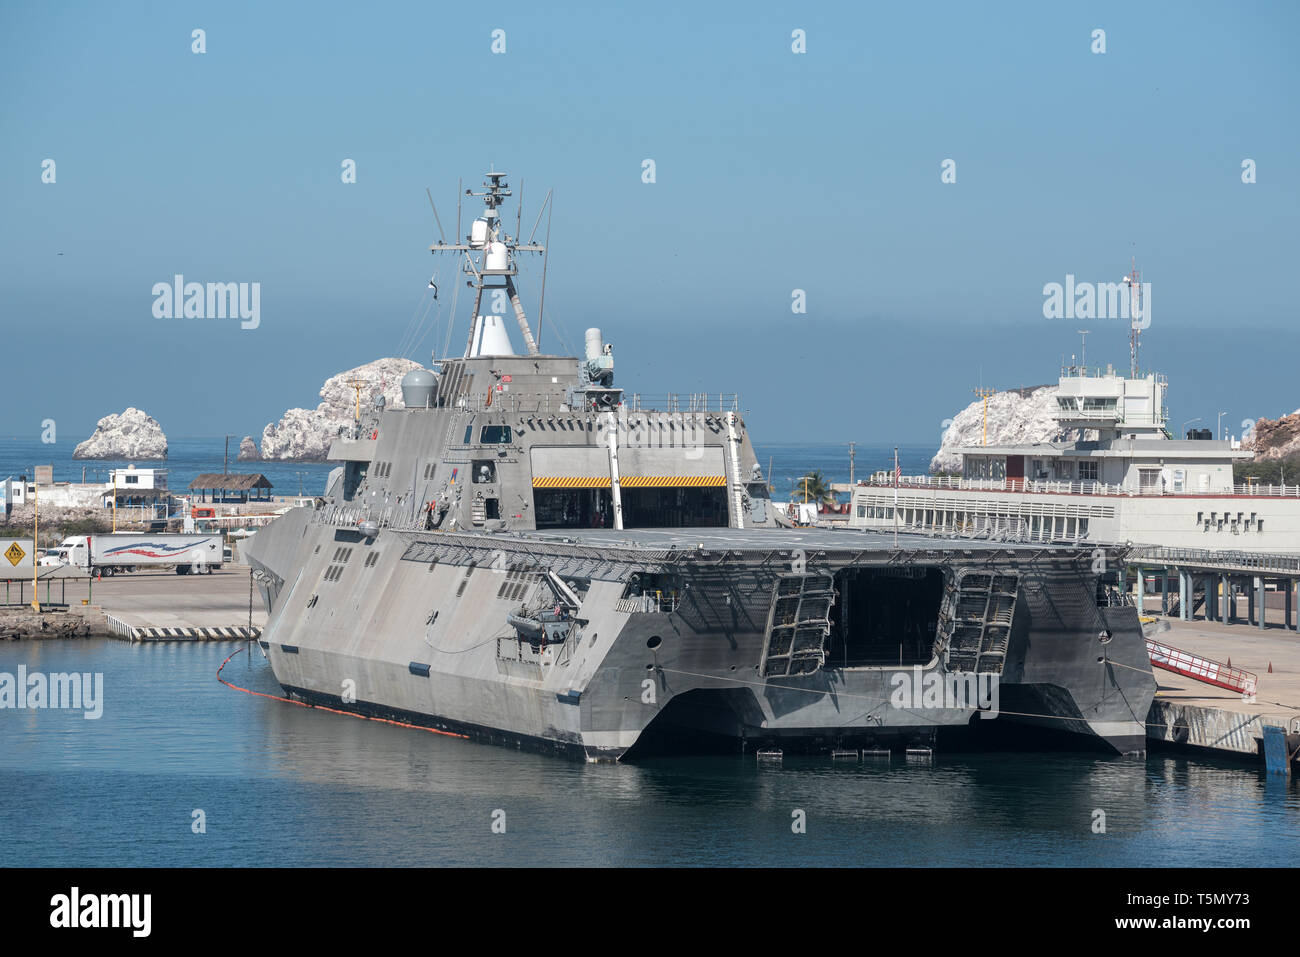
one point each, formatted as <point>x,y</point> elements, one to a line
<point>124,552</point>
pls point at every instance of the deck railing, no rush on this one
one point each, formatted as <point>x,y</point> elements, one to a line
<point>1049,487</point>
<point>684,402</point>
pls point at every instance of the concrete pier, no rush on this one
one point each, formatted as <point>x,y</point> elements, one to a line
<point>189,605</point>
<point>1193,715</point>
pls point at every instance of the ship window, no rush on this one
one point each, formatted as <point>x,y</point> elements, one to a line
<point>1087,471</point>
<point>469,434</point>
<point>495,435</point>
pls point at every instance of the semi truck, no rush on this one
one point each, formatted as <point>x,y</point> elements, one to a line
<point>125,552</point>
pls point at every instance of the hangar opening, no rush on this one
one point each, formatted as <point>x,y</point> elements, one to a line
<point>884,616</point>
<point>674,507</point>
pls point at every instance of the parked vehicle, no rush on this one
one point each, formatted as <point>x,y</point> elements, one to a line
<point>125,552</point>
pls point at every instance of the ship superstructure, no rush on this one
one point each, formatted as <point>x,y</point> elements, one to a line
<point>527,554</point>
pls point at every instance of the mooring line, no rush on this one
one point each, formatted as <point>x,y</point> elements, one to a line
<point>321,707</point>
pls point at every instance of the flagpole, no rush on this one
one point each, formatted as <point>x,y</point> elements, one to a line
<point>895,496</point>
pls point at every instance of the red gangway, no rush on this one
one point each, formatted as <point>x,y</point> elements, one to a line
<point>1201,669</point>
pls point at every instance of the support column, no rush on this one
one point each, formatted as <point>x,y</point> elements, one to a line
<point>1261,603</point>
<point>1164,591</point>
<point>1251,590</point>
<point>1183,596</point>
<point>1286,620</point>
<point>1225,599</point>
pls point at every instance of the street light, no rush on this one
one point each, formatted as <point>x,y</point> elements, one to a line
<point>1189,422</point>
<point>1219,427</point>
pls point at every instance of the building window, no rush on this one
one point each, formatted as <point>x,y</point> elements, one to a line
<point>1087,471</point>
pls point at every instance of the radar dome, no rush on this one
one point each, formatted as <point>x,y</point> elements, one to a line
<point>419,386</point>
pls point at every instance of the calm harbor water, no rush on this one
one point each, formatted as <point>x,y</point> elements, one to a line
<point>284,785</point>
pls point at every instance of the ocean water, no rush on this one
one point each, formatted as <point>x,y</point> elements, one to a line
<point>186,460</point>
<point>189,457</point>
<point>277,784</point>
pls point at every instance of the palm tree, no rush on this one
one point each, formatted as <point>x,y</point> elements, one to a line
<point>813,487</point>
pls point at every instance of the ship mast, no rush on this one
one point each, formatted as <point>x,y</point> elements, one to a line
<point>497,250</point>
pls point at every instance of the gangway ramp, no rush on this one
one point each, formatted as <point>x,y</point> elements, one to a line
<point>1200,668</point>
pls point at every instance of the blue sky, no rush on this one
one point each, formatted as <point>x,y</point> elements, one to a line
<point>775,171</point>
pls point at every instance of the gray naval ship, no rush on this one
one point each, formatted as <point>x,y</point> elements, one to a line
<point>528,555</point>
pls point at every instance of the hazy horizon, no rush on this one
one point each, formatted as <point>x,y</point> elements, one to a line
<point>775,172</point>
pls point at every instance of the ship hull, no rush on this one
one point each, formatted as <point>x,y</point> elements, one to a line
<point>421,635</point>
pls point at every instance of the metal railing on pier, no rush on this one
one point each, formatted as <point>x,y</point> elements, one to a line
<point>1217,559</point>
<point>1252,490</point>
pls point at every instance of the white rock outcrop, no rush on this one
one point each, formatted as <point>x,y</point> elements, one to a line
<point>132,435</point>
<point>1019,417</point>
<point>248,449</point>
<point>304,435</point>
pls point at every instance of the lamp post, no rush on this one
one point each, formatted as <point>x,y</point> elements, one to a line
<point>1219,427</point>
<point>36,538</point>
<point>1189,422</point>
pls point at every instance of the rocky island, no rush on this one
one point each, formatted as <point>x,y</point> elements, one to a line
<point>132,435</point>
<point>304,435</point>
<point>1017,416</point>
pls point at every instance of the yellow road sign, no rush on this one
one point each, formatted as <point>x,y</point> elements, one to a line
<point>14,553</point>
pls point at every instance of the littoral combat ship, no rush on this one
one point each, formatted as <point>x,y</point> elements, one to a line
<point>527,555</point>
